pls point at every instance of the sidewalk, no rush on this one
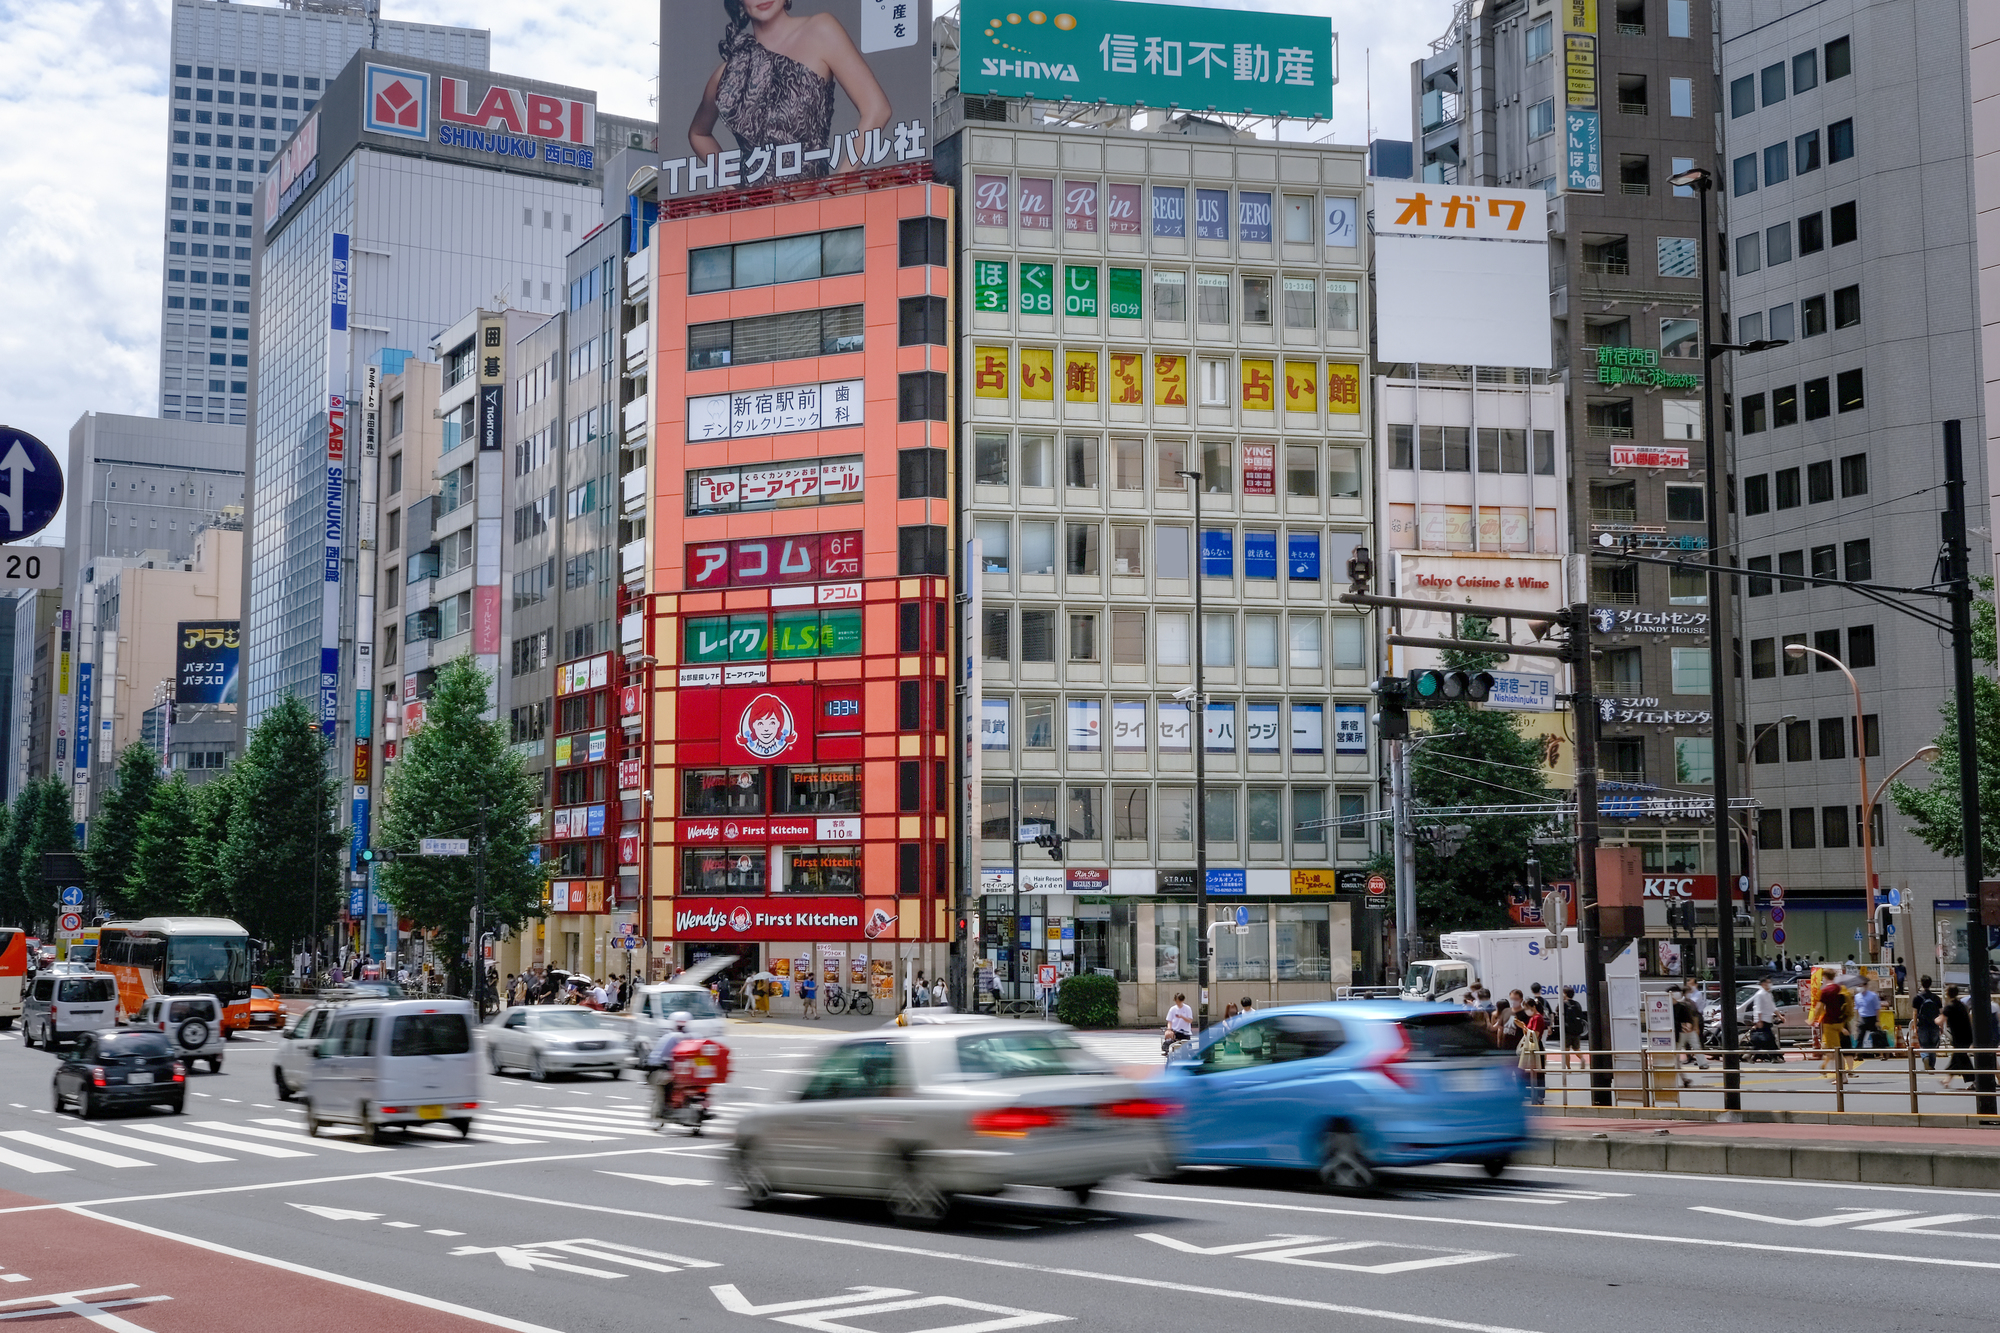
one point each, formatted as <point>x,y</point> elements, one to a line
<point>1963,1157</point>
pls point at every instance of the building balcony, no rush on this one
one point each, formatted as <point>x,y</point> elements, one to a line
<point>632,494</point>
<point>635,420</point>
<point>638,274</point>
<point>1612,514</point>
<point>1631,30</point>
<point>632,560</point>
<point>636,343</point>
<point>1607,432</point>
<point>1610,268</point>
<point>1634,187</point>
<point>1632,109</point>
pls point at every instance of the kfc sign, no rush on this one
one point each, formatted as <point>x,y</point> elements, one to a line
<point>757,562</point>
<point>1680,888</point>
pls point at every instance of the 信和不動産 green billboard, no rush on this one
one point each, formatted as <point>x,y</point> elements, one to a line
<point>1127,54</point>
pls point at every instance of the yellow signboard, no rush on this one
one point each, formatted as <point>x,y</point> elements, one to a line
<point>1302,386</point>
<point>1127,379</point>
<point>1315,883</point>
<point>1079,377</point>
<point>1170,381</point>
<point>1343,389</point>
<point>1038,374</point>
<point>1258,385</point>
<point>989,372</point>
<point>1579,15</point>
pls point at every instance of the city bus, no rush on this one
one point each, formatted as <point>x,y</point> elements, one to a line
<point>176,955</point>
<point>13,973</point>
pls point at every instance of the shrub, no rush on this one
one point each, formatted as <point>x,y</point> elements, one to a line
<point>1088,1001</point>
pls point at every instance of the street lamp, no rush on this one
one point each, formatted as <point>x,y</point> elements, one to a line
<point>1701,181</point>
<point>1867,800</point>
<point>1197,703</point>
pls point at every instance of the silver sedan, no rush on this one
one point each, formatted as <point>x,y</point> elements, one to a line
<point>917,1115</point>
<point>554,1039</point>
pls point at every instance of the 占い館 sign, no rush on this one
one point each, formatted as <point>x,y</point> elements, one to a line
<point>1129,54</point>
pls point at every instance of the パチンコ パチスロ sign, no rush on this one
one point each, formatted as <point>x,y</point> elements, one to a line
<point>1128,54</point>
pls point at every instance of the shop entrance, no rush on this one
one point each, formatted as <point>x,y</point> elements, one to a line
<point>744,961</point>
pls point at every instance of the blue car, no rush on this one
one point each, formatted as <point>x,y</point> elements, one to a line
<point>1349,1088</point>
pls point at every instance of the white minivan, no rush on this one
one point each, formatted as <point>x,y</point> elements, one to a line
<point>653,1007</point>
<point>395,1062</point>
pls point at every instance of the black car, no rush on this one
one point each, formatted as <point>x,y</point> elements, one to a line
<point>110,1069</point>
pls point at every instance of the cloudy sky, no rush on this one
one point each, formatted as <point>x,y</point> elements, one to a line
<point>83,115</point>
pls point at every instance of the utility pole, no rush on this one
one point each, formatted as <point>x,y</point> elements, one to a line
<point>1198,737</point>
<point>1958,573</point>
<point>1405,858</point>
<point>1597,990</point>
<point>1014,918</point>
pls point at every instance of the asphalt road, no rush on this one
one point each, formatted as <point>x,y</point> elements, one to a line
<point>565,1212</point>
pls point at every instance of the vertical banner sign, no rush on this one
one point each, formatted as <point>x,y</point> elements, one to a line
<point>486,528</point>
<point>970,709</point>
<point>335,519</point>
<point>84,671</point>
<point>364,572</point>
<point>1583,155</point>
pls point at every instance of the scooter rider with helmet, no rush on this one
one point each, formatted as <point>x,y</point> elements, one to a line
<point>660,1063</point>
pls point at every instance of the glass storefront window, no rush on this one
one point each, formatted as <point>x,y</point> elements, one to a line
<point>1108,942</point>
<point>828,790</point>
<point>819,870</point>
<point>1245,957</point>
<point>725,870</point>
<point>1175,941</point>
<point>722,791</point>
<point>1303,939</point>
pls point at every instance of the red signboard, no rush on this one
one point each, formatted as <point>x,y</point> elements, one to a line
<point>768,724</point>
<point>1648,455</point>
<point>628,849</point>
<point>576,895</point>
<point>752,562</point>
<point>628,701</point>
<point>782,918</point>
<point>629,774</point>
<point>761,829</point>
<point>1260,471</point>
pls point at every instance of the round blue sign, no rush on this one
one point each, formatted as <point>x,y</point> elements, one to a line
<point>72,896</point>
<point>31,485</point>
<point>1778,935</point>
<point>1242,916</point>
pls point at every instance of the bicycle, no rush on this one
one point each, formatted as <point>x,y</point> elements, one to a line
<point>838,999</point>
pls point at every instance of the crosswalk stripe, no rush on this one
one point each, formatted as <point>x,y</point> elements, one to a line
<point>507,1125</point>
<point>22,1162</point>
<point>256,1149</point>
<point>526,1120</point>
<point>72,1149</point>
<point>297,1137</point>
<point>163,1149</point>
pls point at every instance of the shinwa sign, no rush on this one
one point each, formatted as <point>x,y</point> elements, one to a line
<point>1129,54</point>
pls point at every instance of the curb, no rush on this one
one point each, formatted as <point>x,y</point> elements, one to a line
<point>1961,1168</point>
<point>1684,1114</point>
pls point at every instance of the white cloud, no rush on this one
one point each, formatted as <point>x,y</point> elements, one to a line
<point>83,113</point>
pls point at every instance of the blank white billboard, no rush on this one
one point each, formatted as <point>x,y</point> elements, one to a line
<point>1461,276</point>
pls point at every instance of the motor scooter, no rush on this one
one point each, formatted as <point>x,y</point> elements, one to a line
<point>682,1087</point>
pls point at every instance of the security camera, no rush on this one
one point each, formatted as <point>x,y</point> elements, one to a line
<point>1184,694</point>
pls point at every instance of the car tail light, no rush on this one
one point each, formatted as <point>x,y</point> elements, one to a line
<point>1390,1063</point>
<point>466,1106</point>
<point>1139,1108</point>
<point>97,1075</point>
<point>393,1110</point>
<point>1014,1122</point>
<point>180,1072</point>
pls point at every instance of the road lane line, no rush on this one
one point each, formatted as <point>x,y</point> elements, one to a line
<point>338,1279</point>
<point>1591,1232</point>
<point>74,1149</point>
<point>22,1162</point>
<point>163,1149</point>
<point>1659,1177</point>
<point>1016,1265</point>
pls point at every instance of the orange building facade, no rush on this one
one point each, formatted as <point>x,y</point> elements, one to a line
<point>799,616</point>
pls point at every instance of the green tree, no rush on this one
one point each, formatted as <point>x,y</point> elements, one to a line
<point>1934,812</point>
<point>214,802</point>
<point>114,834</point>
<point>1479,757</point>
<point>160,879</point>
<point>46,825</point>
<point>281,861</point>
<point>457,778</point>
<point>12,828</point>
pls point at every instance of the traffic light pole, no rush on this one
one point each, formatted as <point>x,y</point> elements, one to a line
<point>1597,992</point>
<point>1405,859</point>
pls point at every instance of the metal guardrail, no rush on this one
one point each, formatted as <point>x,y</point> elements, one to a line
<point>1651,1077</point>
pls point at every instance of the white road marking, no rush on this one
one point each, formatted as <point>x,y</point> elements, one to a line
<point>254,1149</point>
<point>828,1321</point>
<point>402,1226</point>
<point>580,1123</point>
<point>658,1180</point>
<point>1298,1249</point>
<point>441,1232</point>
<point>163,1149</point>
<point>73,1149</point>
<point>1926,1226</point>
<point>1654,1177</point>
<point>1173,1243</point>
<point>1846,1217</point>
<point>1015,1265</point>
<point>735,1302</point>
<point>93,1312</point>
<point>34,1165</point>
<point>336,1214</point>
<point>294,1136</point>
<point>339,1279</point>
<point>1592,1232</point>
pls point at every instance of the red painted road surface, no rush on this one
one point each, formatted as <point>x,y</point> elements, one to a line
<point>93,1268</point>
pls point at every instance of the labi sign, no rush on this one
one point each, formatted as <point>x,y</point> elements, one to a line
<point>1127,54</point>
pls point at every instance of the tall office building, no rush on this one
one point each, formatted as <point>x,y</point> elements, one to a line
<point>1848,180</point>
<point>390,213</point>
<point>243,77</point>
<point>1598,103</point>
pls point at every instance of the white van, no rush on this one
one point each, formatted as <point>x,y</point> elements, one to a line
<point>395,1062</point>
<point>652,1009</point>
<point>61,1008</point>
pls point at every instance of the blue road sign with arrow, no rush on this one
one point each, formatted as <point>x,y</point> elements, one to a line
<point>72,896</point>
<point>31,485</point>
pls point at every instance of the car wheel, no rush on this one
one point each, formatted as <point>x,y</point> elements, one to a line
<point>56,1090</point>
<point>28,1035</point>
<point>371,1132</point>
<point>312,1122</point>
<point>915,1200</point>
<point>750,1174</point>
<point>1082,1193</point>
<point>177,1105</point>
<point>464,1128</point>
<point>84,1109</point>
<point>284,1089</point>
<point>537,1071</point>
<point>1496,1167</point>
<point>1344,1168</point>
<point>617,1074</point>
<point>193,1034</point>
<point>493,1061</point>
<point>215,1064</point>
